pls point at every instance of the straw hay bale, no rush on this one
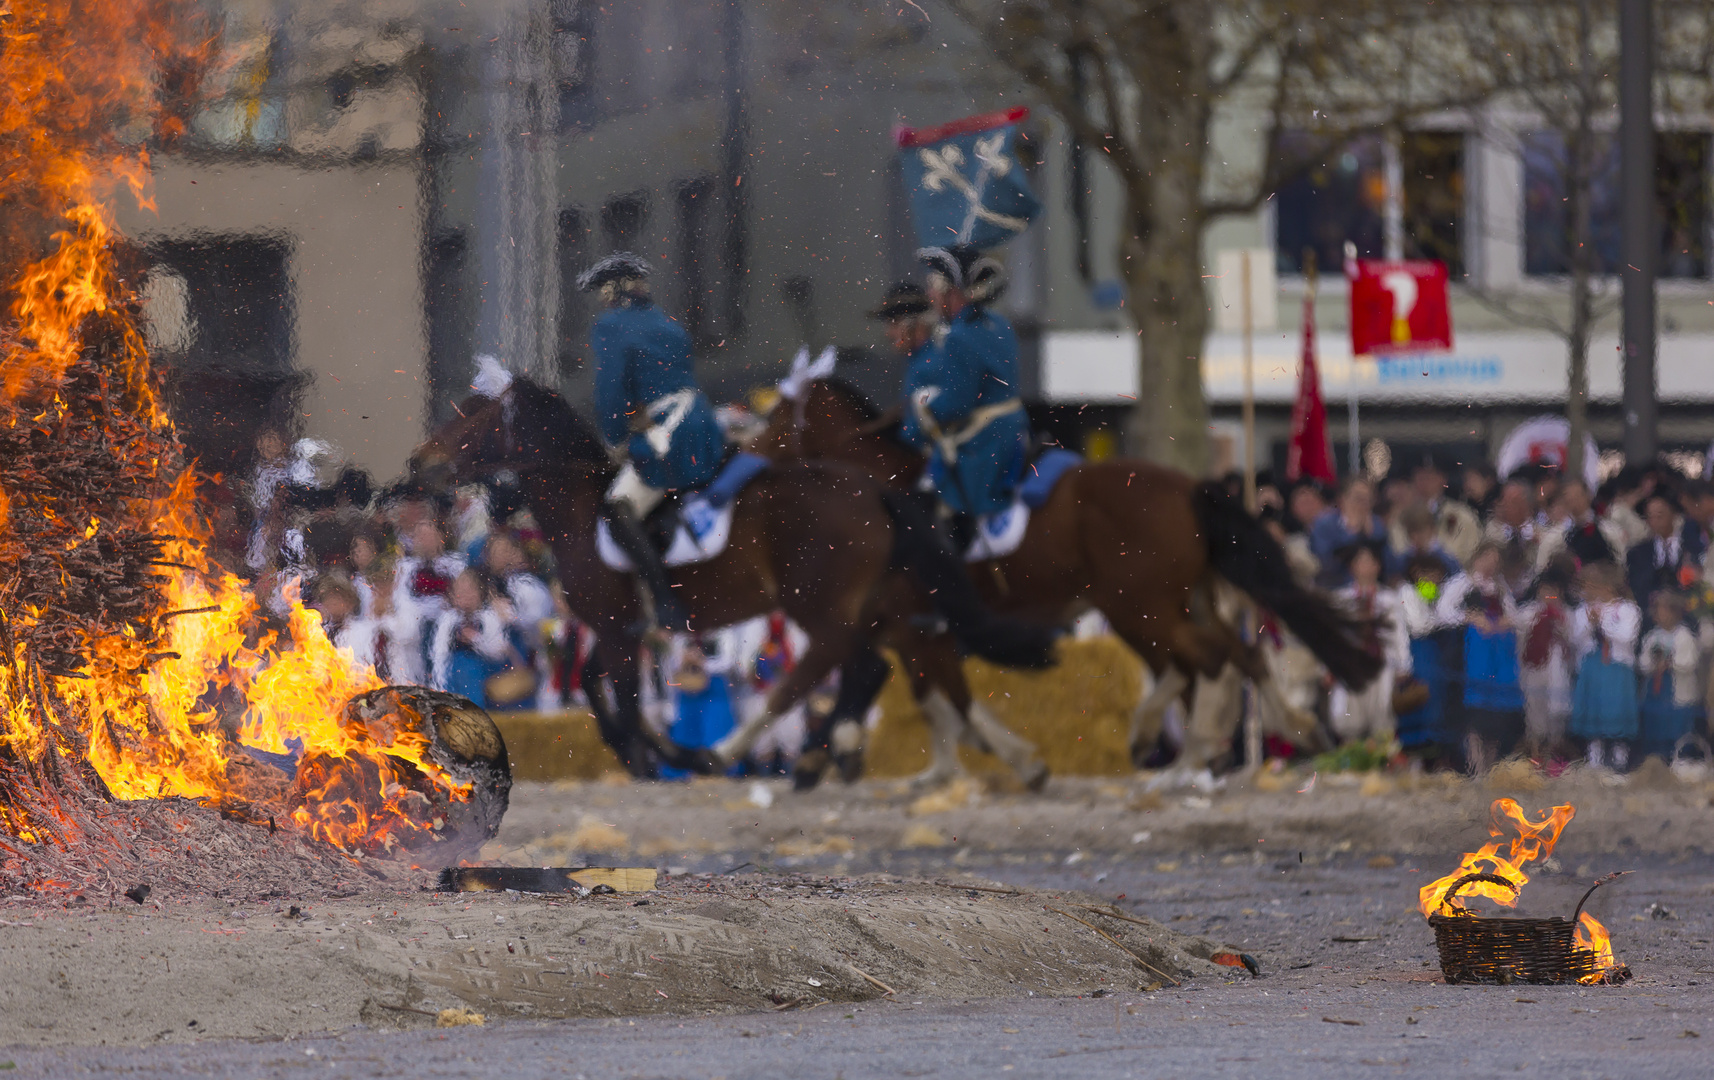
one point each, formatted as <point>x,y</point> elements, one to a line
<point>566,746</point>
<point>1078,714</point>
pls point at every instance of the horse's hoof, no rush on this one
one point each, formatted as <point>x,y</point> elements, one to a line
<point>1037,777</point>
<point>707,763</point>
<point>641,761</point>
<point>846,738</point>
<point>810,767</point>
<point>850,766</point>
<point>930,779</point>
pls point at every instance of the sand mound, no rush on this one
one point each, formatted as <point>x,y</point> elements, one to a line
<point>700,944</point>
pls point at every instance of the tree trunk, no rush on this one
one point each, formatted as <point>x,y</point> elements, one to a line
<point>1580,160</point>
<point>1162,261</point>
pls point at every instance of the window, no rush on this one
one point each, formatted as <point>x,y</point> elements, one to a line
<point>1546,165</point>
<point>1334,196</point>
<point>1681,202</point>
<point>623,220</point>
<point>232,366</point>
<point>1681,193</point>
<point>1341,195</point>
<point>1433,166</point>
<point>573,60</point>
<point>696,215</point>
<point>451,308</point>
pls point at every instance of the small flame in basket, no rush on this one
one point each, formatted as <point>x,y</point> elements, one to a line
<point>1591,935</point>
<point>1525,841</point>
<point>1532,840</point>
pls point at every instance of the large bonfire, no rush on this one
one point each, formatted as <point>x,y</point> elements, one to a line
<point>132,666</point>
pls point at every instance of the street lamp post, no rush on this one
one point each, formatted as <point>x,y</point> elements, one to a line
<point>1639,229</point>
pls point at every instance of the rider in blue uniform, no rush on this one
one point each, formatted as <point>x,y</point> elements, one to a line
<point>648,404</point>
<point>910,318</point>
<point>967,402</point>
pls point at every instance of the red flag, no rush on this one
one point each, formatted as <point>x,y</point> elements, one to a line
<point>1309,454</point>
<point>1398,306</point>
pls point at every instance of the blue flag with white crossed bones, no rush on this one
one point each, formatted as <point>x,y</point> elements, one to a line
<point>967,185</point>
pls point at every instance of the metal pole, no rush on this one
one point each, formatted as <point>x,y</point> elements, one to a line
<point>1355,449</point>
<point>1639,230</point>
<point>1252,721</point>
<point>1249,387</point>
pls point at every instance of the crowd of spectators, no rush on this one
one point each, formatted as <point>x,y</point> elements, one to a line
<point>1518,614</point>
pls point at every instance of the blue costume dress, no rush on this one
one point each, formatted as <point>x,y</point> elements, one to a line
<point>1664,718</point>
<point>643,369</point>
<point>1604,699</point>
<point>970,392</point>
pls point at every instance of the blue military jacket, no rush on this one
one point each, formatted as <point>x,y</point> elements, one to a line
<point>641,357</point>
<point>980,366</point>
<point>919,372</point>
<point>977,367</point>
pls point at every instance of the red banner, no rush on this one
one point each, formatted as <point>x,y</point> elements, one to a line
<point>1399,306</point>
<point>1308,453</point>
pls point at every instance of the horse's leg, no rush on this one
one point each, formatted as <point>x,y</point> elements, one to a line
<point>1298,725</point>
<point>1148,719</point>
<point>1017,752</point>
<point>1214,712</point>
<point>954,716</point>
<point>623,728</point>
<point>945,726</point>
<point>838,738</point>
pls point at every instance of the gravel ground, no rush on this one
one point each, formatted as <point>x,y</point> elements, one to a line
<point>1326,902</point>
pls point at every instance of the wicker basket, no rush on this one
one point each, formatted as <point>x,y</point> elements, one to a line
<point>1478,949</point>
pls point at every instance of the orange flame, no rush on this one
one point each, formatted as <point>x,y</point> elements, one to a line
<point>1532,840</point>
<point>81,83</point>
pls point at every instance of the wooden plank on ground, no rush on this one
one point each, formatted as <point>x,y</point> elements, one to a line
<point>547,879</point>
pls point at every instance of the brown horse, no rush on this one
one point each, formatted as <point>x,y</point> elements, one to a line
<point>1146,546</point>
<point>816,539</point>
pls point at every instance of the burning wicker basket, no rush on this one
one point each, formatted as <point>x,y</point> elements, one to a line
<point>1482,949</point>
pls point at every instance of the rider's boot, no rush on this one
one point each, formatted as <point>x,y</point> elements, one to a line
<point>634,542</point>
<point>962,529</point>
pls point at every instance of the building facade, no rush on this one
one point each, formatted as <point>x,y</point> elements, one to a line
<point>379,191</point>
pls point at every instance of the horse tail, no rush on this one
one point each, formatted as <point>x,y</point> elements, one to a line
<point>920,551</point>
<point>1247,556</point>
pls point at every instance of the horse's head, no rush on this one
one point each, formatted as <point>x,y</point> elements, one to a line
<point>525,428</point>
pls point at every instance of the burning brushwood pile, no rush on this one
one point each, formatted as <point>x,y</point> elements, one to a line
<point>134,667</point>
<point>1484,949</point>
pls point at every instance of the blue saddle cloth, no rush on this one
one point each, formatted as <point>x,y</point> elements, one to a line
<point>1043,473</point>
<point>733,477</point>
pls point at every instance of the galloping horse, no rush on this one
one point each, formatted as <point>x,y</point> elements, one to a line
<point>1147,546</point>
<point>816,539</point>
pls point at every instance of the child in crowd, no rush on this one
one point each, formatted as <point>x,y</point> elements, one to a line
<point>1420,729</point>
<point>469,645</point>
<point>422,578</point>
<point>365,562</point>
<point>1368,713</point>
<point>532,609</point>
<point>1479,600</point>
<point>1604,700</point>
<point>398,635</point>
<point>1548,663</point>
<point>1422,538</point>
<point>339,605</point>
<point>1670,661</point>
